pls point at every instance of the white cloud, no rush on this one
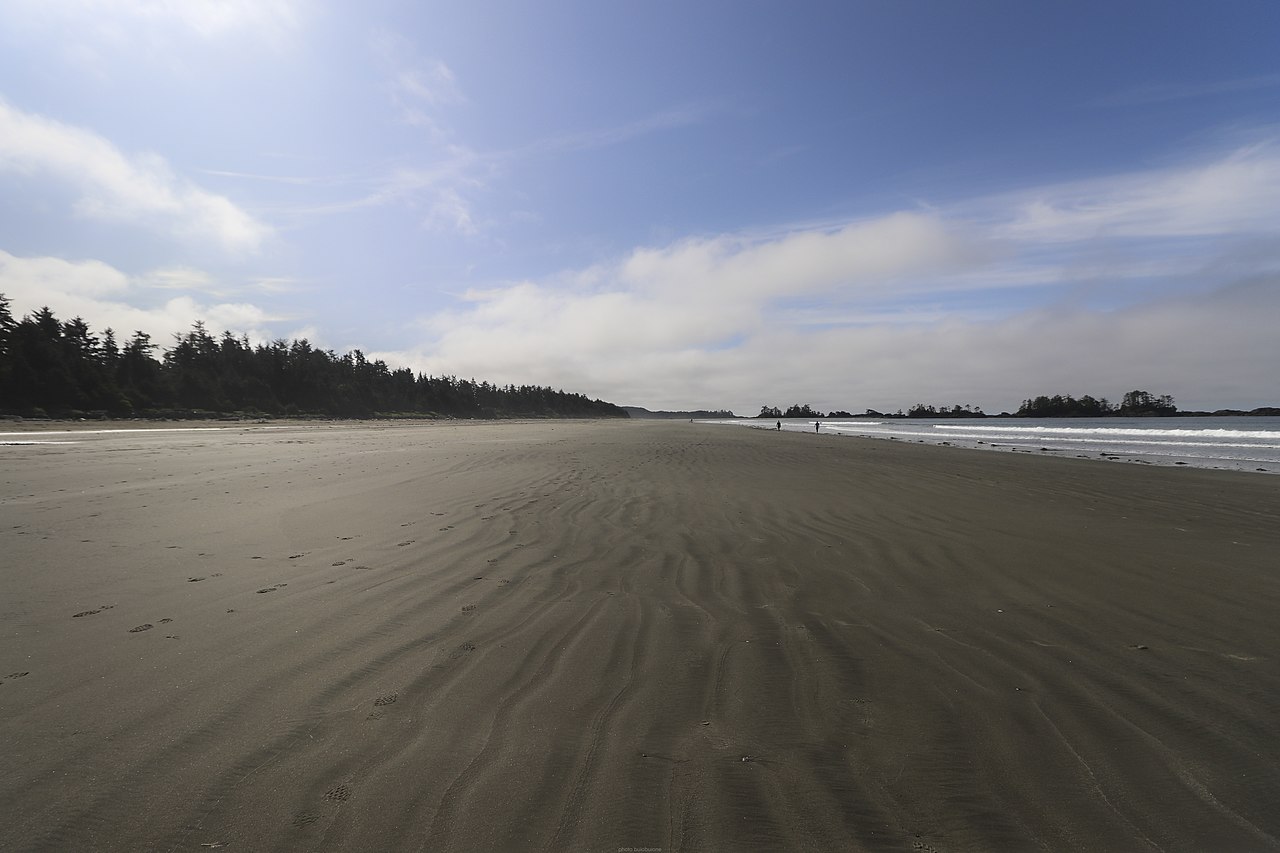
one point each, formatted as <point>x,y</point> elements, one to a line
<point>879,254</point>
<point>866,315</point>
<point>118,19</point>
<point>140,190</point>
<point>99,39</point>
<point>211,18</point>
<point>106,297</point>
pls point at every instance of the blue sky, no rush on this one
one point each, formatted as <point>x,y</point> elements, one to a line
<point>668,204</point>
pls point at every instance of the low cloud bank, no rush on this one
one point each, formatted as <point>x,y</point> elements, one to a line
<point>1160,279</point>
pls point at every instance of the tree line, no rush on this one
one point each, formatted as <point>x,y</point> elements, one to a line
<point>1134,404</point>
<point>50,367</point>
<point>799,410</point>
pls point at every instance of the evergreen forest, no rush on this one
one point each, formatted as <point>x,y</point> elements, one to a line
<point>55,368</point>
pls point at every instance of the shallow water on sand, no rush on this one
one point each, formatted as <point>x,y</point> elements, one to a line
<point>1236,443</point>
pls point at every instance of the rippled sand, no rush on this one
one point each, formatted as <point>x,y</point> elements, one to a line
<point>590,636</point>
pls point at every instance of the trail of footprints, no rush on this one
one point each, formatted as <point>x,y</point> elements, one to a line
<point>381,701</point>
<point>342,792</point>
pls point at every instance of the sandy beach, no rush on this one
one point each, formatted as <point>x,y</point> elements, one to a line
<point>606,635</point>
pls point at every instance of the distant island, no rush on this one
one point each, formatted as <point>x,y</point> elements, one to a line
<point>1134,404</point>
<point>640,413</point>
<point>51,368</point>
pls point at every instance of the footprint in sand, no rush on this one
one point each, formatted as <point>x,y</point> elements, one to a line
<point>467,608</point>
<point>147,627</point>
<point>302,819</point>
<point>101,608</point>
<point>339,794</point>
<point>297,556</point>
<point>17,675</point>
<point>388,699</point>
<point>403,544</point>
<point>338,563</point>
<point>194,580</point>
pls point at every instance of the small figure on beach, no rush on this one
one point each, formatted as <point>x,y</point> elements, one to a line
<point>779,426</point>
<point>816,425</point>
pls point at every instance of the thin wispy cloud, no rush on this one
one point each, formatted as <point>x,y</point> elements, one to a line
<point>603,137</point>
<point>420,91</point>
<point>418,87</point>
<point>1165,92</point>
<point>1239,193</point>
<point>178,278</point>
<point>295,180</point>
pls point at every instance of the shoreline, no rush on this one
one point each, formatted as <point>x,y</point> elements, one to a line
<point>593,635</point>
<point>1128,440</point>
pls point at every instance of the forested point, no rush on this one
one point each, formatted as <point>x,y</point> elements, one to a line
<point>50,368</point>
<point>798,410</point>
<point>1134,404</point>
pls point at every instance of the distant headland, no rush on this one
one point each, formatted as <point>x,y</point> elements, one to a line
<point>640,413</point>
<point>1134,404</point>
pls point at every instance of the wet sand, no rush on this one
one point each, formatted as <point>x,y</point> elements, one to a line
<point>596,636</point>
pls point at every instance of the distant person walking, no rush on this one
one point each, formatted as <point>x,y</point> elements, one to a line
<point>816,425</point>
<point>779,426</point>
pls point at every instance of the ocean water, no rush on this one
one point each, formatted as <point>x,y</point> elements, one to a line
<point>1237,443</point>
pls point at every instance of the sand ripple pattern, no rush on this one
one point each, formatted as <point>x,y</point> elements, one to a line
<point>594,636</point>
